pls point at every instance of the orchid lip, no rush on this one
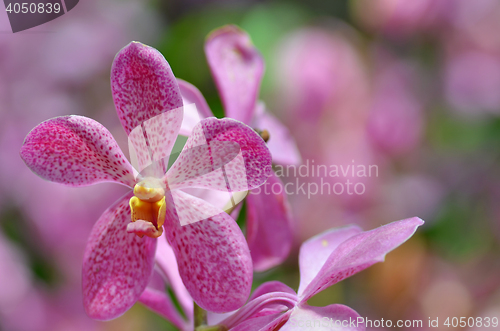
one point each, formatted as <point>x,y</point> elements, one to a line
<point>148,208</point>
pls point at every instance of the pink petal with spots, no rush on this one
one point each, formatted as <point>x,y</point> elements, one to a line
<point>213,258</point>
<point>332,317</point>
<point>152,142</point>
<point>360,252</point>
<point>281,143</point>
<point>143,85</point>
<point>237,68</point>
<point>161,304</point>
<point>192,96</point>
<point>269,225</point>
<point>315,251</point>
<point>209,147</point>
<point>116,265</point>
<point>76,151</point>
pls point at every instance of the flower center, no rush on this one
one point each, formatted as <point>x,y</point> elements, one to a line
<point>148,208</point>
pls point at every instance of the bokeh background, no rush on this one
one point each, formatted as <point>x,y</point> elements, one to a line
<point>410,86</point>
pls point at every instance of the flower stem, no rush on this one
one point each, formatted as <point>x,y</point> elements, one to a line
<point>200,316</point>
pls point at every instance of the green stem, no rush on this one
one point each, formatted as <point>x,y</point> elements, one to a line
<point>200,316</point>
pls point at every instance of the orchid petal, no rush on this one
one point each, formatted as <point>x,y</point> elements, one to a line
<point>143,85</point>
<point>75,151</point>
<point>237,68</point>
<point>161,304</point>
<point>269,225</point>
<point>315,251</point>
<point>332,317</point>
<point>191,95</point>
<point>116,265</point>
<point>265,304</point>
<point>281,143</point>
<point>360,252</point>
<point>152,142</point>
<point>221,279</point>
<point>271,286</point>
<point>263,323</point>
<point>142,228</point>
<point>226,201</point>
<point>165,258</point>
<point>208,159</point>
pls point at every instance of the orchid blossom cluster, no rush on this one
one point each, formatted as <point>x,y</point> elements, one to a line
<point>164,232</point>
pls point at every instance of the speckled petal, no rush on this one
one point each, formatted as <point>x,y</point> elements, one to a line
<point>269,225</point>
<point>360,252</point>
<point>143,85</point>
<point>116,265</point>
<point>237,68</point>
<point>221,277</point>
<point>329,318</point>
<point>76,151</point>
<point>281,143</point>
<point>192,96</point>
<point>208,148</point>
<point>315,251</point>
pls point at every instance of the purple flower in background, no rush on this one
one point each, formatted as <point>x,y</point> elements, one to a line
<point>323,260</point>
<point>213,258</point>
<point>395,123</point>
<point>401,19</point>
<point>472,81</point>
<point>237,68</point>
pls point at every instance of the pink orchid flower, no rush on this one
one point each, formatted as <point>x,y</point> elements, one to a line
<point>212,255</point>
<point>237,68</point>
<point>323,260</point>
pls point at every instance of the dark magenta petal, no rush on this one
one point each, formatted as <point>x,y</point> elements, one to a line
<point>237,68</point>
<point>76,151</point>
<point>269,225</point>
<point>117,265</point>
<point>143,85</point>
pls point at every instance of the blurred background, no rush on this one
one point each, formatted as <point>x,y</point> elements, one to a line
<point>412,87</point>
